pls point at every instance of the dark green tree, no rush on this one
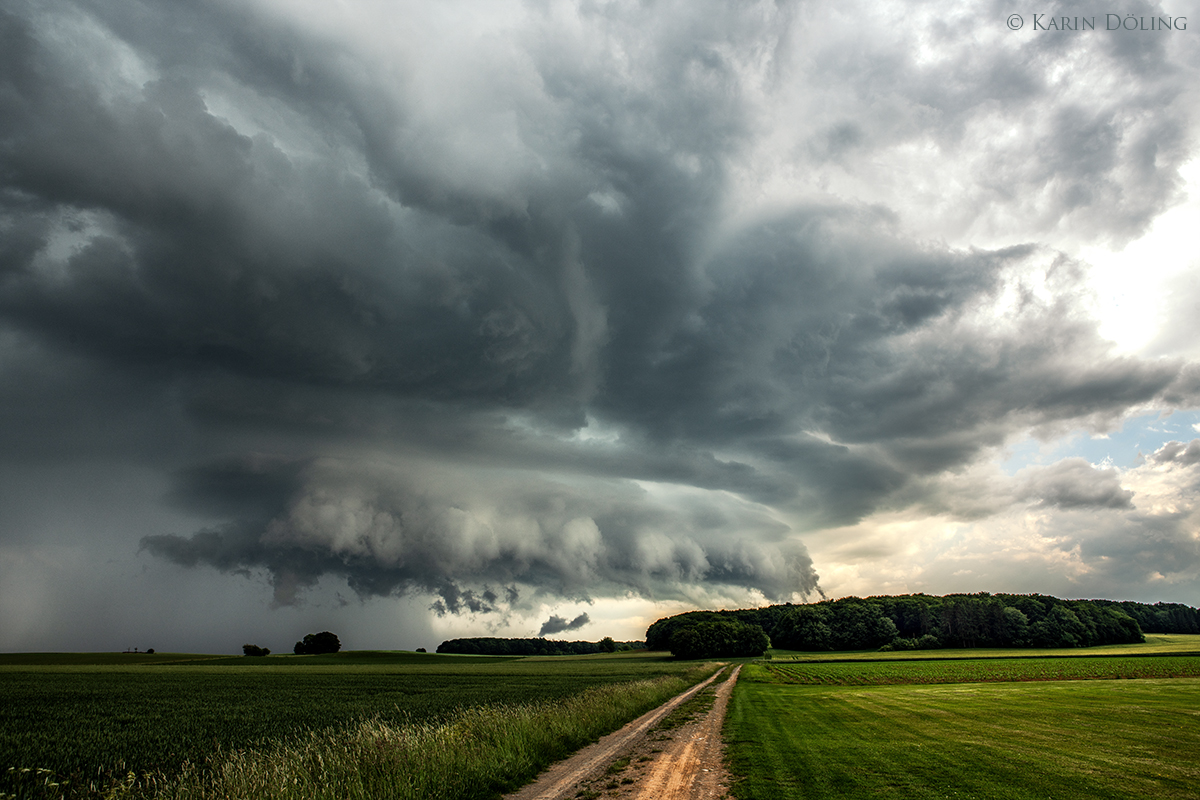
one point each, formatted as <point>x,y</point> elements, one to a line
<point>1014,628</point>
<point>315,644</point>
<point>719,639</point>
<point>860,625</point>
<point>805,628</point>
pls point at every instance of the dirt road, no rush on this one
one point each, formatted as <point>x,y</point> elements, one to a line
<point>647,760</point>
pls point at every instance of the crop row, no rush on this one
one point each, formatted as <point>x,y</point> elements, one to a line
<point>84,722</point>
<point>474,753</point>
<point>983,670</point>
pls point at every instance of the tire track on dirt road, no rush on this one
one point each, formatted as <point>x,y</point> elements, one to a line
<point>684,763</point>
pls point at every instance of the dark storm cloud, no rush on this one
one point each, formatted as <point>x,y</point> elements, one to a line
<point>513,253</point>
<point>470,537</point>
<point>558,624</point>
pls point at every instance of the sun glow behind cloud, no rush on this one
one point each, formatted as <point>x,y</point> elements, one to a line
<point>1134,285</point>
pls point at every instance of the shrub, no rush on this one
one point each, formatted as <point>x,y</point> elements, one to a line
<point>255,650</point>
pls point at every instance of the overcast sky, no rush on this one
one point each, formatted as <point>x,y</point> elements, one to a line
<point>412,320</point>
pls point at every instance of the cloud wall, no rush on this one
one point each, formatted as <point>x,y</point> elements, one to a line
<point>505,305</point>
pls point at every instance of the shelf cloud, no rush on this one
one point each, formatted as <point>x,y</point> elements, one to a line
<point>507,306</point>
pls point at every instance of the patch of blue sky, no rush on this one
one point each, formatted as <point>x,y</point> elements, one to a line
<point>1138,435</point>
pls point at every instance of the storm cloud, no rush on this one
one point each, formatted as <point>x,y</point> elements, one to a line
<point>475,539</point>
<point>509,305</point>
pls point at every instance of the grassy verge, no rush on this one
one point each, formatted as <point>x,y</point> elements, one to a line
<point>1000,741</point>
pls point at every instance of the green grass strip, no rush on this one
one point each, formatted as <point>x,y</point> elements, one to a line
<point>975,671</point>
<point>694,707</point>
<point>989,741</point>
<point>1155,644</point>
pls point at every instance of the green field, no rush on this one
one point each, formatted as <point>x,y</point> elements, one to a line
<point>986,670</point>
<point>1005,728</point>
<point>83,715</point>
<point>1155,644</point>
<point>1105,722</point>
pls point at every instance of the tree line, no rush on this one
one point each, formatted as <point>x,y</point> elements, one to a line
<point>491,646</point>
<point>912,622</point>
<point>313,644</point>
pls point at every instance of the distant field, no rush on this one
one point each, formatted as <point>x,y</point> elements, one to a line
<point>1030,735</point>
<point>1155,644</point>
<point>345,659</point>
<point>96,659</point>
<point>979,670</point>
<point>77,714</point>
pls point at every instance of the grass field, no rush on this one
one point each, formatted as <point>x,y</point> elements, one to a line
<point>87,715</point>
<point>405,725</point>
<point>982,670</point>
<point>826,732</point>
<point>1155,644</point>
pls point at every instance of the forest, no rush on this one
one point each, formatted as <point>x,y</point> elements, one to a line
<point>920,622</point>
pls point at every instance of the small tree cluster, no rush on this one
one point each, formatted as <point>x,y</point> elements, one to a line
<point>255,650</point>
<point>314,644</point>
<point>719,639</point>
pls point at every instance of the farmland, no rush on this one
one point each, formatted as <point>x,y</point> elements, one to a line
<point>1156,644</point>
<point>971,728</point>
<point>982,670</point>
<point>81,720</point>
<point>1114,721</point>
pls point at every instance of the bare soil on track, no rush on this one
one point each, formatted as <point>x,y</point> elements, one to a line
<point>644,760</point>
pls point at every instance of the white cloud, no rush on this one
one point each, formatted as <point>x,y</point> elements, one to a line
<point>1132,534</point>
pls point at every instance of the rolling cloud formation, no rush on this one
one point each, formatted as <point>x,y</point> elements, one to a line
<point>526,303</point>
